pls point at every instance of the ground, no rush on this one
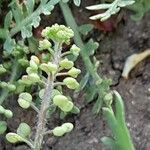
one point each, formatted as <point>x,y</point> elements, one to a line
<point>129,37</point>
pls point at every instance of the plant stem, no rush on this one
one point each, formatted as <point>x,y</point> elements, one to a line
<point>77,38</point>
<point>65,53</point>
<point>41,125</point>
<point>14,74</point>
<point>42,114</point>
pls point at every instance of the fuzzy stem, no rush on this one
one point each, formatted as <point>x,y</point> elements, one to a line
<point>65,53</point>
<point>62,74</point>
<point>41,125</point>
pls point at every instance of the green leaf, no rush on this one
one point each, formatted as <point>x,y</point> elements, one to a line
<point>77,2</point>
<point>46,10</point>
<point>36,21</point>
<point>17,13</point>
<point>65,1</point>
<point>111,120</point>
<point>91,46</point>
<point>24,130</point>
<point>30,6</point>
<point>75,110</point>
<point>85,29</point>
<point>26,32</point>
<point>124,3</point>
<point>119,108</point>
<point>13,137</point>
<point>109,142</point>
<point>146,5</point>
<point>9,44</point>
<point>8,20</point>
<point>53,2</point>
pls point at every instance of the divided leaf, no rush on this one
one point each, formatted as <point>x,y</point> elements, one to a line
<point>77,2</point>
<point>8,20</point>
<point>91,47</point>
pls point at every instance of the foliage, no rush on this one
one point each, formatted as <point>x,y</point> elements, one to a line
<point>140,7</point>
<point>43,75</point>
<point>116,122</point>
<point>112,8</point>
<point>22,17</point>
<point>76,2</point>
<point>40,87</point>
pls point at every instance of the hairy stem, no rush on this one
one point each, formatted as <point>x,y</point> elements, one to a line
<point>41,125</point>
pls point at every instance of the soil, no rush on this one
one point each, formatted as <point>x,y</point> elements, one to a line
<point>129,37</point>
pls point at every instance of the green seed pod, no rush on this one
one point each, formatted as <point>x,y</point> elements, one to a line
<point>41,93</point>
<point>23,62</point>
<point>33,65</point>
<point>16,53</point>
<point>26,96</point>
<point>63,103</point>
<point>24,130</point>
<point>45,57</point>
<point>25,80</point>
<point>29,70</point>
<point>23,103</point>
<point>71,83</point>
<point>34,77</point>
<point>68,126</point>
<point>2,69</point>
<point>55,92</point>
<point>19,87</point>
<point>52,67</point>
<point>74,72</point>
<point>11,87</point>
<point>7,65</point>
<point>44,67</point>
<point>48,68</point>
<point>75,50</point>
<point>3,84</point>
<point>13,137</point>
<point>35,59</point>
<point>59,131</point>
<point>2,109</point>
<point>66,64</point>
<point>24,100</point>
<point>3,127</point>
<point>75,110</point>
<point>44,44</point>
<point>8,113</point>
